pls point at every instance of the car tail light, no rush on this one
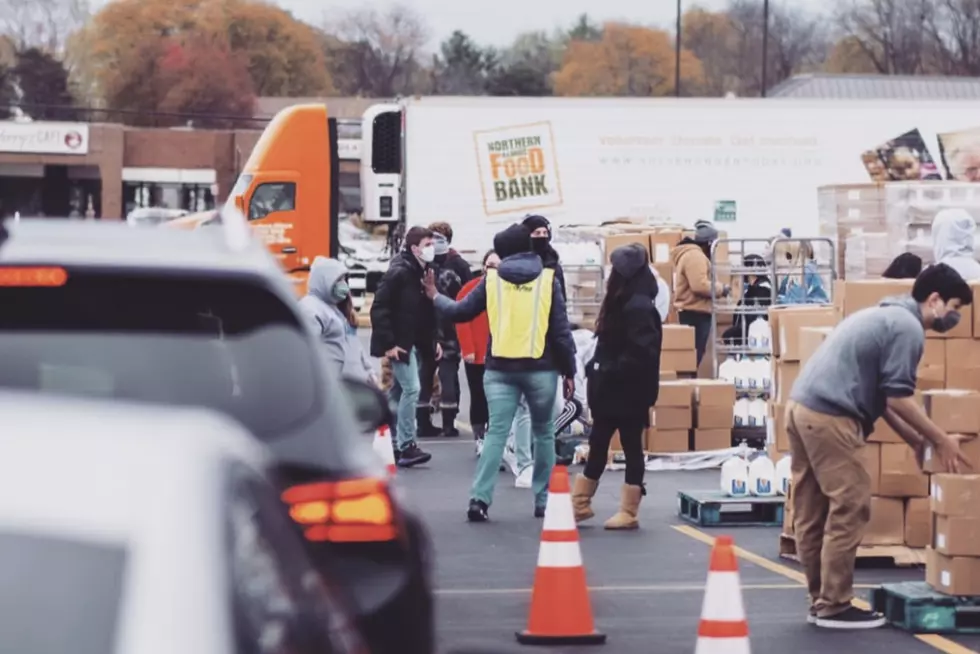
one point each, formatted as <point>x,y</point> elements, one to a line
<point>33,276</point>
<point>352,511</point>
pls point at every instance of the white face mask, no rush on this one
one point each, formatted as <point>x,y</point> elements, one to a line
<point>428,253</point>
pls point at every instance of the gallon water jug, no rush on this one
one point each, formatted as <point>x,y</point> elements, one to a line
<point>735,477</point>
<point>783,475</point>
<point>757,412</point>
<point>742,412</point>
<point>726,371</point>
<point>742,369</point>
<point>762,476</point>
<point>760,335</point>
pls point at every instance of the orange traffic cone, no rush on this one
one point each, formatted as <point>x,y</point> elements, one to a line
<point>383,448</point>
<point>560,610</point>
<point>723,628</point>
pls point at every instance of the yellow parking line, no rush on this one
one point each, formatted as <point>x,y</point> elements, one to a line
<point>933,640</point>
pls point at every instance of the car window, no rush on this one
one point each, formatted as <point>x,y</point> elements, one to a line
<point>224,344</point>
<point>279,604</point>
<point>59,595</point>
<point>271,197</point>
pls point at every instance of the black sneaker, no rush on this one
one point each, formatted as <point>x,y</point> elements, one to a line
<point>478,511</point>
<point>539,512</point>
<point>413,456</point>
<point>853,618</point>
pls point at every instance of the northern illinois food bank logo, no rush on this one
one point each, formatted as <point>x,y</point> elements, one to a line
<point>518,168</point>
<point>73,140</point>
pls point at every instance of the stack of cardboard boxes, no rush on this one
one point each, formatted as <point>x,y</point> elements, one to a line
<point>953,561</point>
<point>948,381</point>
<point>690,415</point>
<point>678,356</point>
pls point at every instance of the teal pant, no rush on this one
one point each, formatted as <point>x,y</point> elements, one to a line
<point>504,390</point>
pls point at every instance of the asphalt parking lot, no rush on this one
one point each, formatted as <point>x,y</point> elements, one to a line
<point>646,586</point>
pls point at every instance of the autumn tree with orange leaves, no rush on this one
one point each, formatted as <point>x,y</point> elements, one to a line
<point>627,60</point>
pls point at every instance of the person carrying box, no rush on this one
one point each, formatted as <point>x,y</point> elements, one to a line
<point>863,371</point>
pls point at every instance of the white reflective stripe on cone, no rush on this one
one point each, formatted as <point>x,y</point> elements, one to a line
<point>558,513</point>
<point>559,555</point>
<point>723,598</point>
<point>722,646</point>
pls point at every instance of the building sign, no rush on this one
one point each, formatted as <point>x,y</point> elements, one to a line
<point>44,138</point>
<point>518,169</point>
<point>725,211</point>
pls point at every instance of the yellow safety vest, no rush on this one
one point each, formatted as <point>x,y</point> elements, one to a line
<point>518,315</point>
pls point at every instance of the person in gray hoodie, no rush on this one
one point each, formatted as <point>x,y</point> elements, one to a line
<point>864,371</point>
<point>952,242</point>
<point>326,289</point>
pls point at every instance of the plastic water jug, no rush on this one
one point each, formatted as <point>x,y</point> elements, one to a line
<point>765,373</point>
<point>760,334</point>
<point>742,369</point>
<point>735,477</point>
<point>783,475</point>
<point>762,476</point>
<point>726,371</point>
<point>742,412</point>
<point>757,412</point>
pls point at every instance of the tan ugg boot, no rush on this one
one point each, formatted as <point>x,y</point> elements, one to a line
<point>629,508</point>
<point>582,494</point>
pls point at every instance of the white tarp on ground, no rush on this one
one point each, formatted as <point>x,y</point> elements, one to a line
<point>672,461</point>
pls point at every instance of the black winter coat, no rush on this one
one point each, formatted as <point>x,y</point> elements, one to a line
<point>550,260</point>
<point>624,374</point>
<point>402,315</point>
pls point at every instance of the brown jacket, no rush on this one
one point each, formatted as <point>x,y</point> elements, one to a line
<point>692,278</point>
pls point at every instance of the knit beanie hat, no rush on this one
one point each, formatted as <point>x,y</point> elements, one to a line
<point>516,239</point>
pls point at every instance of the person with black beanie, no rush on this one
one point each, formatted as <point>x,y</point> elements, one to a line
<point>904,266</point>
<point>541,235</point>
<point>530,345</point>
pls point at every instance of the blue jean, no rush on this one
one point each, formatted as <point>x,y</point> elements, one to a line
<point>404,395</point>
<point>504,390</point>
<point>521,435</point>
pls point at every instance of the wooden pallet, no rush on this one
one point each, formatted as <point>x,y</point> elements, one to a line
<point>914,606</point>
<point>899,556</point>
<point>715,509</point>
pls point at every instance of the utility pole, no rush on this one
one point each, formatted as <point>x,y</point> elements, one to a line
<point>765,47</point>
<point>677,52</point>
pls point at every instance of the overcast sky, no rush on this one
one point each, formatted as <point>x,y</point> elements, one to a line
<point>496,23</point>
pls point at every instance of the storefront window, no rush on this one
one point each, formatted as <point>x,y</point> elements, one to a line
<point>189,197</point>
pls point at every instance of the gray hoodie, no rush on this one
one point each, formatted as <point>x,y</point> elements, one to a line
<point>870,356</point>
<point>952,242</point>
<point>321,311</point>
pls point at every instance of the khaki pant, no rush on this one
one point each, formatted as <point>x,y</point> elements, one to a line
<point>831,503</point>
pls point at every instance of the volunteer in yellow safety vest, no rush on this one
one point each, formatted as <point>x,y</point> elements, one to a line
<point>530,345</point>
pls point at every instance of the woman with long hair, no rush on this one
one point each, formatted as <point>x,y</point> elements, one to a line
<point>623,381</point>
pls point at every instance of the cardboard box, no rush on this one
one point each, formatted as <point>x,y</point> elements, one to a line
<point>935,351</point>
<point>615,445</point>
<point>712,439</point>
<point>861,294</point>
<point>677,337</point>
<point>613,241</point>
<point>870,456</point>
<point>970,448</point>
<point>955,496</point>
<point>963,378</point>
<point>930,378</point>
<point>679,360</point>
<point>957,536</point>
<point>671,417</point>
<point>918,522</point>
<point>955,411</point>
<point>887,524</point>
<point>783,377</point>
<point>883,433</point>
<point>976,314</point>
<point>715,417</point>
<point>786,322</point>
<point>675,393</point>
<point>666,442</point>
<point>953,575</point>
<point>777,422</point>
<point>899,473</point>
<point>962,362</point>
<point>662,242</point>
<point>812,338</point>
<point>713,392</point>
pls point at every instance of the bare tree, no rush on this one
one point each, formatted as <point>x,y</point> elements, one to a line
<point>44,24</point>
<point>892,34</point>
<point>955,31</point>
<point>380,52</point>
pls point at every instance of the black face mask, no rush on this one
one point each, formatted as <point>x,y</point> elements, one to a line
<point>440,259</point>
<point>541,245</point>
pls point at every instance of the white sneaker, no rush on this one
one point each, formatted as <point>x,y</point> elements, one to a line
<point>510,460</point>
<point>479,448</point>
<point>525,477</point>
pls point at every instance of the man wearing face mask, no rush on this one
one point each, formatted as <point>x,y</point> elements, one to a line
<point>692,283</point>
<point>403,329</point>
<point>865,370</point>
<point>541,235</point>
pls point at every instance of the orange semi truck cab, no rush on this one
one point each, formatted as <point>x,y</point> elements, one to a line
<point>289,188</point>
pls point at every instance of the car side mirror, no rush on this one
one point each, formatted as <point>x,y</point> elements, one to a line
<point>370,405</point>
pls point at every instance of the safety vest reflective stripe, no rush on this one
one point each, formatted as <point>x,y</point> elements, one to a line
<point>518,315</point>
